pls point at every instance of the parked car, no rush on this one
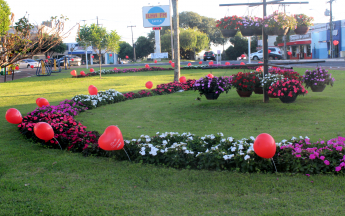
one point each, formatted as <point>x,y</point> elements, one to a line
<point>76,60</point>
<point>209,56</point>
<point>275,54</point>
<point>26,63</point>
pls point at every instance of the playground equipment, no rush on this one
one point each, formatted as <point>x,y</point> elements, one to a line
<point>54,65</point>
<point>44,69</point>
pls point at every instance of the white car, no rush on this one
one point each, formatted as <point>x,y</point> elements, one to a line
<point>275,54</point>
<point>26,63</point>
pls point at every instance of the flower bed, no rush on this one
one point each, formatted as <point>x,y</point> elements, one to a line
<point>182,150</point>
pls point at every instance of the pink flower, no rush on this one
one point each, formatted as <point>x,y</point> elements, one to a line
<point>339,148</point>
<point>322,157</point>
<point>326,162</point>
<point>312,156</point>
<point>298,156</point>
<point>338,168</point>
<point>307,175</point>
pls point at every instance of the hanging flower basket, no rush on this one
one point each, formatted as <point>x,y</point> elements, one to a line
<point>258,90</point>
<point>258,31</point>
<point>276,31</point>
<point>247,32</point>
<point>288,99</point>
<point>229,32</point>
<point>301,30</point>
<point>211,96</point>
<point>244,93</point>
<point>317,88</point>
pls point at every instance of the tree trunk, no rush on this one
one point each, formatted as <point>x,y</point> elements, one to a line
<point>100,64</point>
<point>176,40</point>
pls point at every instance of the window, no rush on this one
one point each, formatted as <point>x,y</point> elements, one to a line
<point>308,50</point>
<point>294,51</point>
<point>260,51</point>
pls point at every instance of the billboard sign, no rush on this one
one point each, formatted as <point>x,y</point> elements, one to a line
<point>156,16</point>
<point>159,55</point>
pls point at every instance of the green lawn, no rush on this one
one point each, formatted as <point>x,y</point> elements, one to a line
<point>35,180</point>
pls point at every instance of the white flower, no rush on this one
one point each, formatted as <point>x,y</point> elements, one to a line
<point>148,139</point>
<point>206,150</point>
<point>233,149</point>
<point>293,138</point>
<point>184,148</point>
<point>284,140</point>
<point>191,138</point>
<point>165,142</point>
<point>246,157</point>
<point>252,138</point>
<point>240,147</point>
<point>199,153</point>
<point>212,136</point>
<point>241,153</point>
<point>223,140</point>
<point>220,134</point>
<point>157,133</point>
<point>230,139</point>
<point>162,151</point>
<point>127,141</point>
<point>203,138</point>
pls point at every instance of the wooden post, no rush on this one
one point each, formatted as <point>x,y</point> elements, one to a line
<point>265,50</point>
<point>176,40</point>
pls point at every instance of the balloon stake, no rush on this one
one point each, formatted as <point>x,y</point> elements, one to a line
<point>127,155</point>
<point>274,164</point>
<point>58,143</point>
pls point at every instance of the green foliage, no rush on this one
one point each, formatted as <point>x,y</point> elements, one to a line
<point>113,41</point>
<point>239,46</point>
<point>125,50</point>
<point>4,17</point>
<point>143,47</point>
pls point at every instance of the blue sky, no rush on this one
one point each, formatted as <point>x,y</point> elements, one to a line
<point>118,14</point>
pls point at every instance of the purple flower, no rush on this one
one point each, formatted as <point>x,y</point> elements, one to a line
<point>312,156</point>
<point>338,168</point>
<point>322,157</point>
<point>307,175</point>
<point>326,162</point>
<point>342,164</point>
<point>298,156</point>
<point>339,148</point>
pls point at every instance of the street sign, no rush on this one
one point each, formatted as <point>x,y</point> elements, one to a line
<point>156,16</point>
<point>159,55</point>
<point>157,28</point>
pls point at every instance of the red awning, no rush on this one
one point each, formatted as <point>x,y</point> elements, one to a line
<point>295,43</point>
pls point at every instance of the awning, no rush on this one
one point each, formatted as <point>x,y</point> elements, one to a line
<point>79,52</point>
<point>295,43</point>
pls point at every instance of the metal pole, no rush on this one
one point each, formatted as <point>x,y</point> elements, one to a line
<point>249,45</point>
<point>177,41</point>
<point>5,74</point>
<point>331,31</point>
<point>265,50</point>
<point>134,58</point>
<point>171,33</point>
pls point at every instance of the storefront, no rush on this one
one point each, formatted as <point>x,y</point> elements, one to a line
<point>299,46</point>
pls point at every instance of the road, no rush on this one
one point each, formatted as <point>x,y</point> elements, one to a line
<point>23,73</point>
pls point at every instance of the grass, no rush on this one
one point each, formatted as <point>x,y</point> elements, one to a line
<point>35,180</point>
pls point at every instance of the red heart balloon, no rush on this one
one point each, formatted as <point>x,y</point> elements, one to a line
<point>149,85</point>
<point>243,55</point>
<point>289,53</point>
<point>72,59</point>
<point>127,57</point>
<point>227,63</point>
<point>111,55</point>
<point>42,102</point>
<point>115,68</point>
<point>93,90</point>
<point>189,64</point>
<point>44,131</point>
<point>170,62</point>
<point>74,73</point>
<point>82,73</point>
<point>242,63</point>
<point>111,139</point>
<point>200,62</point>
<point>269,51</point>
<point>92,70</point>
<point>92,56</point>
<point>183,79</point>
<point>17,67</point>
<point>32,66</point>
<point>265,146</point>
<point>210,75</point>
<point>335,42</point>
<point>210,63</point>
<point>173,64</point>
<point>48,57</point>
<point>147,66</point>
<point>260,62</point>
<point>13,116</point>
<point>155,61</point>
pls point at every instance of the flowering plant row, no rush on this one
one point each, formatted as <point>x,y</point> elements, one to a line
<point>287,88</point>
<point>215,85</point>
<point>102,98</point>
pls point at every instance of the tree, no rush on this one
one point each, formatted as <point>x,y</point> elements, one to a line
<point>48,48</point>
<point>59,48</point>
<point>100,40</point>
<point>143,47</point>
<point>25,40</point>
<point>125,50</point>
<point>5,20</point>
<point>239,47</point>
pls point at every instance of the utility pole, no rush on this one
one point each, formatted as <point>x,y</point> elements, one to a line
<point>134,58</point>
<point>284,38</point>
<point>171,33</point>
<point>331,30</point>
<point>177,40</point>
<point>265,52</point>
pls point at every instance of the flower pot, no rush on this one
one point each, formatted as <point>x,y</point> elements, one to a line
<point>272,96</point>
<point>317,88</point>
<point>276,31</point>
<point>228,32</point>
<point>286,99</point>
<point>301,30</point>
<point>247,32</point>
<point>211,96</point>
<point>258,31</point>
<point>244,93</point>
<point>258,90</point>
